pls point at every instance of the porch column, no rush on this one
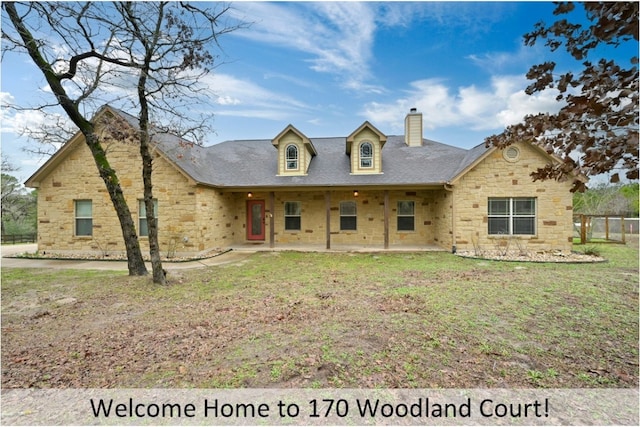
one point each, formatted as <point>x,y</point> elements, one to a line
<point>272,226</point>
<point>327,201</point>
<point>386,219</point>
<point>454,246</point>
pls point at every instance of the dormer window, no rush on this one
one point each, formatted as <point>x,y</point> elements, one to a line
<point>364,148</point>
<point>295,152</point>
<point>292,157</point>
<point>366,155</point>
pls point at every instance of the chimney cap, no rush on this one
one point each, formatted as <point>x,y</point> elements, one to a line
<point>414,110</point>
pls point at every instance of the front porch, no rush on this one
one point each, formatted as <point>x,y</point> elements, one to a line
<point>365,220</point>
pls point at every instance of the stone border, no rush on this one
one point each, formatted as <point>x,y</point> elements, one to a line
<point>528,259</point>
<point>107,259</point>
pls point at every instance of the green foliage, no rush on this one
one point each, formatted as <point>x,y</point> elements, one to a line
<point>18,207</point>
<point>591,250</point>
<point>607,199</point>
<point>632,193</point>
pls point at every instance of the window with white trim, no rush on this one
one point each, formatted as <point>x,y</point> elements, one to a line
<point>406,216</point>
<point>84,218</point>
<point>143,226</point>
<point>366,155</point>
<point>512,215</point>
<point>348,216</point>
<point>291,153</point>
<point>292,216</point>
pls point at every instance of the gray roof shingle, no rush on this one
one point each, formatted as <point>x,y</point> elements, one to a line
<point>253,163</point>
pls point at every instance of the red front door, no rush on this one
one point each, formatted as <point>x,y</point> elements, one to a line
<point>255,219</point>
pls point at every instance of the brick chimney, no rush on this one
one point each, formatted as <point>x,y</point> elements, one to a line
<point>413,128</point>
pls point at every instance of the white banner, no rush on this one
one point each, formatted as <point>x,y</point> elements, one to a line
<point>320,407</point>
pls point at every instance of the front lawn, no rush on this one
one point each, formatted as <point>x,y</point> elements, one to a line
<point>286,319</point>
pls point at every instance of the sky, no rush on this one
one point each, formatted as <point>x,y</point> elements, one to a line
<point>326,67</point>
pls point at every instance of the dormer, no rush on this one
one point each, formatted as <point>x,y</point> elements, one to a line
<point>295,152</point>
<point>364,147</point>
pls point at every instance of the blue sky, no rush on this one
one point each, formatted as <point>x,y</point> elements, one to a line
<point>327,67</point>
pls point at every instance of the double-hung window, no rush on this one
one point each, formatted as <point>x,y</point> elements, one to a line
<point>406,216</point>
<point>348,217</point>
<point>291,153</point>
<point>292,216</point>
<point>84,218</point>
<point>512,215</point>
<point>143,226</point>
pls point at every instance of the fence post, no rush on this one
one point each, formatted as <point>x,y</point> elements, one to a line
<point>583,229</point>
<point>606,228</point>
<point>622,228</point>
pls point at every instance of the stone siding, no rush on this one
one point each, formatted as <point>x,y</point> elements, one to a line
<point>76,178</point>
<point>499,176</point>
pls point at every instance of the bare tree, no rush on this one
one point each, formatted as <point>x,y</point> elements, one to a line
<point>56,18</point>
<point>169,43</point>
<point>158,50</point>
<point>596,130</point>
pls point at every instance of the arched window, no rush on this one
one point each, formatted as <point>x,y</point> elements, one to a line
<point>292,156</point>
<point>366,155</point>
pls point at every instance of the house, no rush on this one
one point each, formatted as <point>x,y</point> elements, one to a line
<point>364,190</point>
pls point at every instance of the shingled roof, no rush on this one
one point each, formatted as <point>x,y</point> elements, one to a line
<point>253,163</point>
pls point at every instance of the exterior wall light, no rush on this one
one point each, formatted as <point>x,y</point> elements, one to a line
<point>355,193</point>
<point>249,194</point>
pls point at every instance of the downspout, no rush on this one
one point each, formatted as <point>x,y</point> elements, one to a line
<point>449,188</point>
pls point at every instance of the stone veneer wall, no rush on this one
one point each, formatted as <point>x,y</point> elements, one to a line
<point>370,218</point>
<point>498,177</point>
<point>76,177</point>
<point>220,218</point>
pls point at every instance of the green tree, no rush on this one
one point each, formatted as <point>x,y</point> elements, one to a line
<point>607,199</point>
<point>596,129</point>
<point>632,194</point>
<point>18,207</point>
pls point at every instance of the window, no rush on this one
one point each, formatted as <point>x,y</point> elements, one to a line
<point>406,216</point>
<point>292,157</point>
<point>142,217</point>
<point>292,215</point>
<point>512,215</point>
<point>348,219</point>
<point>84,218</point>
<point>366,155</point>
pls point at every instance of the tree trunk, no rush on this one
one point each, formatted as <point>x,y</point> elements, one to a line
<point>159,275</point>
<point>149,43</point>
<point>135,262</point>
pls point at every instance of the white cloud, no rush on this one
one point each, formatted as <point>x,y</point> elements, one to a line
<point>14,121</point>
<point>338,37</point>
<point>491,108</point>
<point>244,98</point>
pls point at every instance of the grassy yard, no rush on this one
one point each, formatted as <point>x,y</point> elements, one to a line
<point>286,319</point>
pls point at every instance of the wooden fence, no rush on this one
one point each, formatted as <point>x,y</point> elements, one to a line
<point>18,238</point>
<point>604,228</point>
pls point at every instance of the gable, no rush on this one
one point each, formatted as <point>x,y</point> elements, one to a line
<point>520,159</point>
<point>364,147</point>
<point>295,152</point>
<point>122,127</point>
